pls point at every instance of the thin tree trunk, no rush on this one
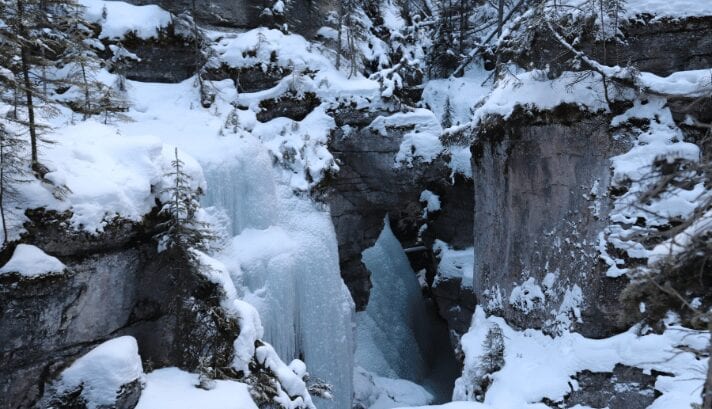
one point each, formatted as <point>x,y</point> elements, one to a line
<point>25,65</point>
<point>707,390</point>
<point>2,191</point>
<point>338,41</point>
<point>500,18</point>
<point>87,102</point>
<point>30,108</point>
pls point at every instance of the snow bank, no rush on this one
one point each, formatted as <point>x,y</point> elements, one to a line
<point>421,139</point>
<point>533,90</point>
<point>105,173</point>
<point>262,47</point>
<point>30,261</point>
<point>103,371</point>
<point>118,18</point>
<point>176,389</point>
<point>668,8</point>
<point>462,94</point>
<point>538,366</point>
<point>300,146</point>
<point>694,83</point>
<point>376,392</point>
<point>454,263</point>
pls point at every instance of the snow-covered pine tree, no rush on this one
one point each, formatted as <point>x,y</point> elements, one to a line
<point>112,103</point>
<point>491,360</point>
<point>182,229</point>
<point>80,55</point>
<point>37,32</point>
<point>452,37</point>
<point>447,114</point>
<point>13,171</point>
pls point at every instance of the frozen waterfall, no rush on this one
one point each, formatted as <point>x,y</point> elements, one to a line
<point>399,335</point>
<point>284,260</point>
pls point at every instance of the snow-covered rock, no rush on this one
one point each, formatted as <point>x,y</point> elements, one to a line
<point>108,374</point>
<point>30,261</point>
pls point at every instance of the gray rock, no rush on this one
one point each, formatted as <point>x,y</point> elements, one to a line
<point>624,388</point>
<point>302,16</point>
<point>115,284</point>
<point>456,304</point>
<point>687,45</point>
<point>367,187</point>
<point>541,180</point>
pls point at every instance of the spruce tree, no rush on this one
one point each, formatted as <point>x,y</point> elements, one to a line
<point>447,114</point>
<point>38,34</point>
<point>182,229</point>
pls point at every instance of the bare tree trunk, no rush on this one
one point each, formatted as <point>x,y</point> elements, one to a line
<point>338,41</point>
<point>30,108</point>
<point>87,102</point>
<point>707,390</point>
<point>25,65</point>
<point>2,191</point>
<point>500,18</point>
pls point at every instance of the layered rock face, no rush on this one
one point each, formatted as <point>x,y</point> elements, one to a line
<point>303,16</point>
<point>115,284</point>
<point>687,43</point>
<point>540,184</point>
<point>369,186</point>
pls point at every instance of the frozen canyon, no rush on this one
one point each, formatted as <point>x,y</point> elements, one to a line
<point>356,204</point>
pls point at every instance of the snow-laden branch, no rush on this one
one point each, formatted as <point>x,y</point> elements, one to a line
<point>686,84</point>
<point>471,56</point>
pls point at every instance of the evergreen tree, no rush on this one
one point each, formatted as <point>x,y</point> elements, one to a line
<point>38,33</point>
<point>447,114</point>
<point>81,57</point>
<point>13,171</point>
<point>182,229</point>
<point>112,103</point>
<point>491,360</point>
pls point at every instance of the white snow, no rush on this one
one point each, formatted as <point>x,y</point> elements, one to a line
<point>106,173</point>
<point>177,389</point>
<point>538,366</point>
<point>30,261</point>
<point>694,83</point>
<point>661,140</point>
<point>454,263</point>
<point>668,8</point>
<point>103,370</point>
<point>122,18</point>
<point>527,296</point>
<point>432,202</point>
<point>377,392</point>
<point>421,139</point>
<point>531,89</point>
<point>463,93</point>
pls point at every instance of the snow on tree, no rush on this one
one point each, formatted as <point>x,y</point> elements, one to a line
<point>40,36</point>
<point>13,171</point>
<point>446,120</point>
<point>182,229</point>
